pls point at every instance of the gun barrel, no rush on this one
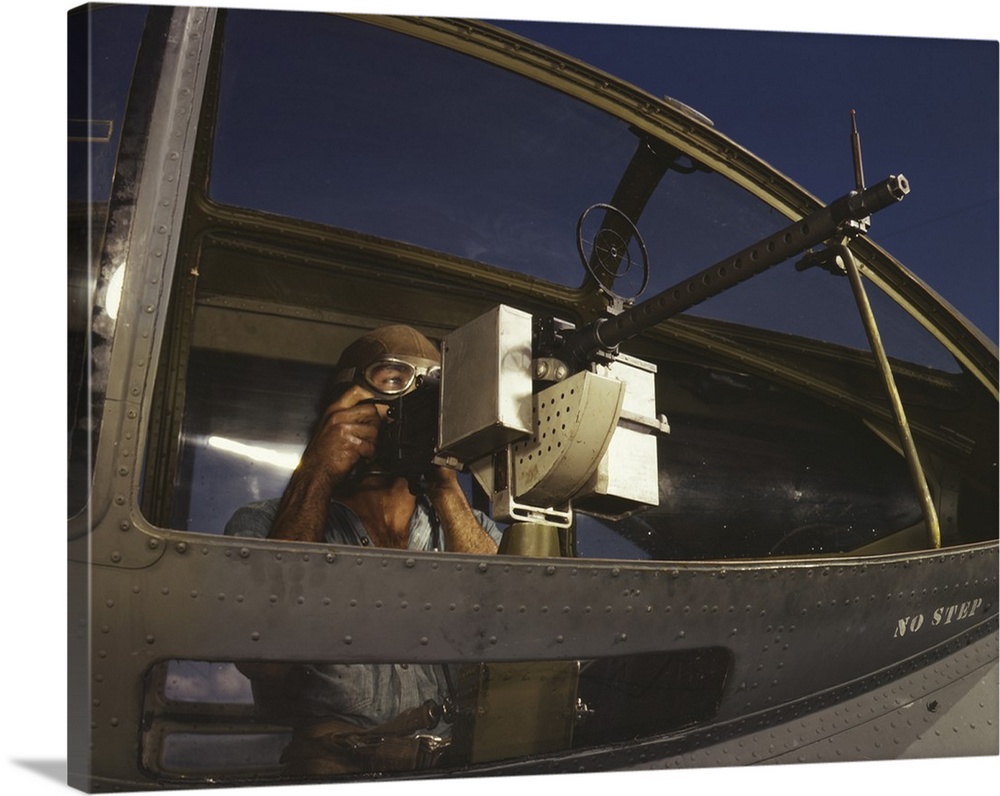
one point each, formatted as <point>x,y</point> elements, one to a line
<point>794,239</point>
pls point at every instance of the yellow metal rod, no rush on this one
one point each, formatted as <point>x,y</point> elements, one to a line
<point>902,425</point>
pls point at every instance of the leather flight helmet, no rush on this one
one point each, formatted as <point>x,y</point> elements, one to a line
<point>388,360</point>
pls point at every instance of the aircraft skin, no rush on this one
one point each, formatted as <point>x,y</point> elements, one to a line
<point>791,657</point>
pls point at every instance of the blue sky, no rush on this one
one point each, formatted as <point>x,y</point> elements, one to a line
<point>926,108</point>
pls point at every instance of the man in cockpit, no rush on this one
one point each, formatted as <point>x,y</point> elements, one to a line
<point>358,717</point>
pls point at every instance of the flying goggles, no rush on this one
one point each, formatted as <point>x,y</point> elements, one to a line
<point>392,377</point>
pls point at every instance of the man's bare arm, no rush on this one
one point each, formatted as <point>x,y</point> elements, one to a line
<point>346,435</point>
<point>462,531</point>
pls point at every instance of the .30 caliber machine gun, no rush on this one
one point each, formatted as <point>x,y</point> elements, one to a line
<point>549,417</point>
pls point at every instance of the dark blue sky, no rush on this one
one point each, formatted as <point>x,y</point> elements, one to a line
<point>926,108</point>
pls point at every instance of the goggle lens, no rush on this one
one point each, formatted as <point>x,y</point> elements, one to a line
<point>390,377</point>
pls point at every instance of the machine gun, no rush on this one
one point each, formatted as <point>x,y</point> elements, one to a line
<point>848,215</point>
<point>549,417</point>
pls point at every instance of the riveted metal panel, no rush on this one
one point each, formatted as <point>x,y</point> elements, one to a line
<point>795,630</point>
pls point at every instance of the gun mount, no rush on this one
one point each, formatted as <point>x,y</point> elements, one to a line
<point>546,415</point>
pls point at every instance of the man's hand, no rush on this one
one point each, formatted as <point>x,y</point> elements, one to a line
<point>345,436</point>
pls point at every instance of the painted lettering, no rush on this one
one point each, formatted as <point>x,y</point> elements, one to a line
<point>942,615</point>
<point>909,624</point>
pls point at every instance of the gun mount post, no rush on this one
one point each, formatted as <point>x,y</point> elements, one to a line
<point>846,258</point>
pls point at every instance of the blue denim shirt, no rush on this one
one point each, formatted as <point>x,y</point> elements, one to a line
<point>344,527</point>
<point>363,694</point>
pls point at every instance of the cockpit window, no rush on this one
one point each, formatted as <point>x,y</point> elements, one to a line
<point>102,45</point>
<point>377,133</point>
<point>344,123</point>
<point>327,120</point>
<point>200,721</point>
